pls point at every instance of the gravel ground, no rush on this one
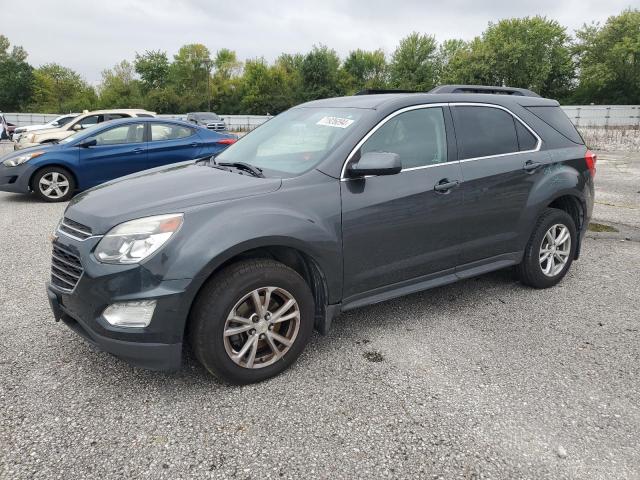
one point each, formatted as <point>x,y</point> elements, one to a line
<point>481,379</point>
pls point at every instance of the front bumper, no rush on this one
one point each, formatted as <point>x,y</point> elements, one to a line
<point>157,346</point>
<point>16,179</point>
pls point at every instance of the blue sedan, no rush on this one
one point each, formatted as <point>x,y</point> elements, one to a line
<point>54,172</point>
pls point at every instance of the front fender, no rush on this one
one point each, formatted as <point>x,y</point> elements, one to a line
<point>213,234</point>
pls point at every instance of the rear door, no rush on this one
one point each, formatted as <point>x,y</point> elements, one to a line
<point>399,230</point>
<point>119,151</point>
<point>172,143</point>
<point>500,158</point>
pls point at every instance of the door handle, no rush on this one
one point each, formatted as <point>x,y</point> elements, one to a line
<point>444,185</point>
<point>530,166</point>
<point>138,150</point>
<point>194,144</point>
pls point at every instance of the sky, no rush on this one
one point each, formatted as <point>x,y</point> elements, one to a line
<point>89,35</point>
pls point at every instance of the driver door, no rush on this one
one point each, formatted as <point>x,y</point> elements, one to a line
<point>119,151</point>
<point>402,230</point>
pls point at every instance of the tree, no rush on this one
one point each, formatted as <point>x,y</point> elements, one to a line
<point>414,63</point>
<point>264,88</point>
<point>153,68</point>
<point>366,69</point>
<point>16,77</point>
<point>530,52</point>
<point>320,73</point>
<point>120,88</point>
<point>609,60</point>
<point>59,89</point>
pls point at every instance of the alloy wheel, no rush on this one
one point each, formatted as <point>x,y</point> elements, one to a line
<point>261,327</point>
<point>555,250</point>
<point>54,185</point>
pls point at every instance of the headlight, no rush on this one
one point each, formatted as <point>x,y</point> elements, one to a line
<point>15,161</point>
<point>30,137</point>
<point>132,242</point>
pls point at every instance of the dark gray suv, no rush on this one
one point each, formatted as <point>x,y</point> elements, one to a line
<point>330,206</point>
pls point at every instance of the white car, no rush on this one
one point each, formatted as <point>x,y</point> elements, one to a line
<point>55,123</point>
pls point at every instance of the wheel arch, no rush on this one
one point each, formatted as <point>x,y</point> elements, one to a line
<point>52,165</point>
<point>575,207</point>
<point>299,260</point>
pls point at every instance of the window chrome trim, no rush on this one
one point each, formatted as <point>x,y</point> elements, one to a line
<point>429,105</point>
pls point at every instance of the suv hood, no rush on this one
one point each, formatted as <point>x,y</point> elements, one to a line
<point>162,190</point>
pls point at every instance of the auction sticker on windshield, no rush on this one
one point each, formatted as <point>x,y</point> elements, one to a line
<point>335,122</point>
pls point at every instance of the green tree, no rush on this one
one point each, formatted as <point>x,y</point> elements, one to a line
<point>366,69</point>
<point>16,77</point>
<point>321,76</point>
<point>59,89</point>
<point>609,60</point>
<point>531,52</point>
<point>264,88</point>
<point>189,75</point>
<point>153,68</point>
<point>120,88</point>
<point>414,63</point>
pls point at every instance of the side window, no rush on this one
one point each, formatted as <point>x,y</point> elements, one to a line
<point>417,136</point>
<point>166,131</point>
<point>484,131</point>
<point>526,140</point>
<point>88,121</point>
<point>132,133</point>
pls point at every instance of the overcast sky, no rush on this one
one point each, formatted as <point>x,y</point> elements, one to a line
<point>90,35</point>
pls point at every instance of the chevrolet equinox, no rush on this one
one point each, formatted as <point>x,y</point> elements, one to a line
<point>330,206</point>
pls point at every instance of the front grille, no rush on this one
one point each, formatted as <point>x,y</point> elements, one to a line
<point>66,268</point>
<point>74,229</point>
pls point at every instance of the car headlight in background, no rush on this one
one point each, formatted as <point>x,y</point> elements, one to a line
<point>133,241</point>
<point>15,161</point>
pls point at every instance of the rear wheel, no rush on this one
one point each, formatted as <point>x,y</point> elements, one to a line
<point>550,251</point>
<point>53,184</point>
<point>251,321</point>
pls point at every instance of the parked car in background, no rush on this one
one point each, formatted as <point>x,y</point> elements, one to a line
<point>6,128</point>
<point>332,205</point>
<point>58,122</point>
<point>81,122</point>
<point>208,120</point>
<point>55,171</point>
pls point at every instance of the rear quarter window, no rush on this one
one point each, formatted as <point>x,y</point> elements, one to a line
<point>558,120</point>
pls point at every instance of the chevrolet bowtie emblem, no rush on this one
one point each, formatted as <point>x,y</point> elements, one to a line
<point>53,238</point>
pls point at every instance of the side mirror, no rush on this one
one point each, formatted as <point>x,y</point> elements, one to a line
<point>77,127</point>
<point>55,124</point>
<point>88,143</point>
<point>375,163</point>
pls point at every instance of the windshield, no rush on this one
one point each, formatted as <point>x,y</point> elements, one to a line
<point>81,133</point>
<point>207,116</point>
<point>294,141</point>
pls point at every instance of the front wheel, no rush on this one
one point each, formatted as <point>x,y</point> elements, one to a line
<point>251,321</point>
<point>550,251</point>
<point>53,184</point>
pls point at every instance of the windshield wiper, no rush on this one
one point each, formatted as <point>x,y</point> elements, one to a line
<point>247,167</point>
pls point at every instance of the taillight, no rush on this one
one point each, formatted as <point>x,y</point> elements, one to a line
<point>591,158</point>
<point>227,141</point>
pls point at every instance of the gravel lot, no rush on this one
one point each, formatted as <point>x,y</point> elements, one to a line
<point>481,379</point>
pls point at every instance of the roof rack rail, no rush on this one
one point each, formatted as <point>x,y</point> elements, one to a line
<point>523,92</point>
<point>376,91</point>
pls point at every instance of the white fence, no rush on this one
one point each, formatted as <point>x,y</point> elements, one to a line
<point>580,115</point>
<point>234,122</point>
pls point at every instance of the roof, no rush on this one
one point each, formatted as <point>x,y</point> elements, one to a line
<point>118,110</point>
<point>400,100</point>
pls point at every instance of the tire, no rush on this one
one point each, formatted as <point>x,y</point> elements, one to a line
<point>62,180</point>
<point>221,299</point>
<point>539,273</point>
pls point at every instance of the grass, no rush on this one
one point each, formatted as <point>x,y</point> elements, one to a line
<point>600,227</point>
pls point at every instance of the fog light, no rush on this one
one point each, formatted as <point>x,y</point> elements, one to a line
<point>130,314</point>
